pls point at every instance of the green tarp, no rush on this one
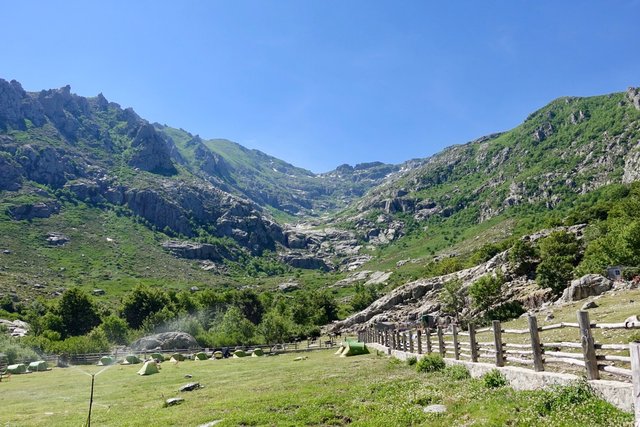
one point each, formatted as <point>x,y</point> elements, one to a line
<point>178,357</point>
<point>257,352</point>
<point>353,348</point>
<point>106,361</point>
<point>157,356</point>
<point>149,367</point>
<point>39,365</point>
<point>19,368</point>
<point>131,359</point>
<point>239,353</point>
<point>201,356</point>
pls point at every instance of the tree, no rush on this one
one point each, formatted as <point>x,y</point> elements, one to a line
<point>485,291</point>
<point>523,257</point>
<point>115,329</point>
<point>234,328</point>
<point>78,313</point>
<point>363,297</point>
<point>141,303</point>
<point>275,328</point>
<point>451,298</point>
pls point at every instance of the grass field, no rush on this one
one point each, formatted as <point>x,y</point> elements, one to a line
<point>323,390</point>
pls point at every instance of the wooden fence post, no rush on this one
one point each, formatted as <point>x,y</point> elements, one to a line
<point>472,342</point>
<point>427,335</point>
<point>538,363</point>
<point>386,338</point>
<point>419,338</point>
<point>404,341</point>
<point>441,347</point>
<point>410,341</point>
<point>634,351</point>
<point>497,340</point>
<point>456,348</point>
<point>588,346</point>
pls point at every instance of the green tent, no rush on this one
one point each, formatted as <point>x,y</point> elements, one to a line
<point>106,361</point>
<point>201,356</point>
<point>19,368</point>
<point>150,367</point>
<point>353,348</point>
<point>257,352</point>
<point>239,353</point>
<point>218,355</point>
<point>131,359</point>
<point>178,357</point>
<point>39,365</point>
<point>157,356</point>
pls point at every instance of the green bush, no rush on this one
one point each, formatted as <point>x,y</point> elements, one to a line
<point>457,372</point>
<point>485,291</point>
<point>411,360</point>
<point>561,397</point>
<point>494,379</point>
<point>430,363</point>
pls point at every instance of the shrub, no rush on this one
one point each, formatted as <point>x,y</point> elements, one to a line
<point>457,372</point>
<point>430,363</point>
<point>485,291</point>
<point>411,360</point>
<point>560,397</point>
<point>494,379</point>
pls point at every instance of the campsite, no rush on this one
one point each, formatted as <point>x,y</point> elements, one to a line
<point>320,389</point>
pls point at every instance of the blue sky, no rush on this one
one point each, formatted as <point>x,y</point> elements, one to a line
<point>325,82</point>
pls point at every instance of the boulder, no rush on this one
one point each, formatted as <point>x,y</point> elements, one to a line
<point>165,341</point>
<point>589,305</point>
<point>34,210</point>
<point>57,239</point>
<point>586,286</point>
<point>288,287</point>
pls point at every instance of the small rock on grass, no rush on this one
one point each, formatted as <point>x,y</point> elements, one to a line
<point>588,305</point>
<point>210,423</point>
<point>435,409</point>
<point>173,401</point>
<point>190,387</point>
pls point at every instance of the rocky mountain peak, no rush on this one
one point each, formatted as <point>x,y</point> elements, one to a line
<point>150,152</point>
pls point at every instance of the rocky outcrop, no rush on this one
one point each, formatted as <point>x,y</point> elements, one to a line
<point>57,239</point>
<point>15,328</point>
<point>10,173</point>
<point>633,95</point>
<point>150,152</point>
<point>34,210</point>
<point>165,341</point>
<point>47,165</point>
<point>584,287</point>
<point>632,165</point>
<point>202,251</point>
<point>304,261</point>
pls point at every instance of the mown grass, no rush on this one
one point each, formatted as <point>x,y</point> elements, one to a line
<point>325,390</point>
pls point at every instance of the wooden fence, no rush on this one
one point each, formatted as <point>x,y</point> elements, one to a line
<point>536,353</point>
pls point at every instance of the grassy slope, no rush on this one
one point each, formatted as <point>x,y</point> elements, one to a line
<point>323,390</point>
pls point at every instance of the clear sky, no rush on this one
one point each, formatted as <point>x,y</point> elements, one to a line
<point>325,82</point>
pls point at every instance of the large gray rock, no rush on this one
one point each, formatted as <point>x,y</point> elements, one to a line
<point>192,250</point>
<point>165,341</point>
<point>586,286</point>
<point>633,94</point>
<point>35,210</point>
<point>10,173</point>
<point>151,152</point>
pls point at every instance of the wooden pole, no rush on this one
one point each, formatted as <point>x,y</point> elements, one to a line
<point>456,347</point>
<point>472,342</point>
<point>634,350</point>
<point>427,335</point>
<point>441,347</point>
<point>386,338</point>
<point>410,342</point>
<point>419,338</point>
<point>497,340</point>
<point>404,341</point>
<point>538,363</point>
<point>588,346</point>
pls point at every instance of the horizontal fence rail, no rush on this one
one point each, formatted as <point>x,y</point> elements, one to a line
<point>584,353</point>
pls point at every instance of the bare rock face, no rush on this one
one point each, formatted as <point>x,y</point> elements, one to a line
<point>204,251</point>
<point>57,239</point>
<point>165,341</point>
<point>10,174</point>
<point>584,287</point>
<point>633,94</point>
<point>151,153</point>
<point>36,210</point>
<point>632,165</point>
